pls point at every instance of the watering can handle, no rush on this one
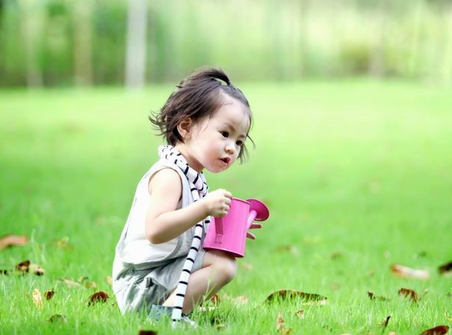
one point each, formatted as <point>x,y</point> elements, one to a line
<point>218,230</point>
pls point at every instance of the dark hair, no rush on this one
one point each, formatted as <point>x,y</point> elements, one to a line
<point>197,96</point>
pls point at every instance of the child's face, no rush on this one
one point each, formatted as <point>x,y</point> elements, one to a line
<point>214,143</point>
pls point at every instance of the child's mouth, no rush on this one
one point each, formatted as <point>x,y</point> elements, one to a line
<point>225,160</point>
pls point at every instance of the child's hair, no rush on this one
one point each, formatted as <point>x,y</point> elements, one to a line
<point>197,96</point>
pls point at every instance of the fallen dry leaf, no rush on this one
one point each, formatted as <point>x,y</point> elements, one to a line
<point>26,267</point>
<point>49,294</point>
<point>384,324</point>
<point>438,330</point>
<point>372,296</point>
<point>37,298</point>
<point>215,299</point>
<point>12,241</point>
<point>58,318</point>
<point>23,267</point>
<point>293,294</point>
<point>406,272</point>
<point>280,325</point>
<point>36,269</point>
<point>408,293</point>
<point>446,269</point>
<point>70,282</point>
<point>100,296</point>
<point>300,314</point>
<point>147,332</point>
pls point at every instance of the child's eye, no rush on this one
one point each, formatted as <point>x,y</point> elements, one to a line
<point>239,143</point>
<point>224,133</point>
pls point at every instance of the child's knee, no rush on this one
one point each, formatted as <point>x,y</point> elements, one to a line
<point>225,267</point>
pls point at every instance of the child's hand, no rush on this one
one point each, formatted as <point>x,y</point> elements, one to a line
<point>253,226</point>
<point>218,203</point>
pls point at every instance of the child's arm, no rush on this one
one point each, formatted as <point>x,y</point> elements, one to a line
<point>164,222</point>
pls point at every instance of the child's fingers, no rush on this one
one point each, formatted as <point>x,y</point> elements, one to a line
<point>227,194</point>
<point>255,226</point>
<point>250,236</point>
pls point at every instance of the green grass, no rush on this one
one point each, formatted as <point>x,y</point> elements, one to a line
<point>356,169</point>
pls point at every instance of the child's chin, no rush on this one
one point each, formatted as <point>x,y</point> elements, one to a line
<point>216,169</point>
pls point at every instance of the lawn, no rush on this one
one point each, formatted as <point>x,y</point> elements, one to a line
<point>357,175</point>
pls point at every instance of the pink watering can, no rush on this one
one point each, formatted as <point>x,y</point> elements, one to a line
<point>229,233</point>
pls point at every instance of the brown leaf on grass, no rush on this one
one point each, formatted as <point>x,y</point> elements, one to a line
<point>406,272</point>
<point>280,325</point>
<point>446,269</point>
<point>300,314</point>
<point>215,299</point>
<point>408,293</point>
<point>147,332</point>
<point>12,241</point>
<point>49,294</point>
<point>100,296</point>
<point>26,267</point>
<point>372,296</point>
<point>293,294</point>
<point>23,267</point>
<point>438,330</point>
<point>70,282</point>
<point>384,324</point>
<point>36,269</point>
<point>58,318</point>
<point>37,298</point>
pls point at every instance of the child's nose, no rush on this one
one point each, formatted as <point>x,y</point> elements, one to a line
<point>230,149</point>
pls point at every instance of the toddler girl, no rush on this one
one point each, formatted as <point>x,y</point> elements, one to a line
<point>205,123</point>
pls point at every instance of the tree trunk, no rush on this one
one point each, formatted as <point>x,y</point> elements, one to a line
<point>136,44</point>
<point>31,27</point>
<point>83,50</point>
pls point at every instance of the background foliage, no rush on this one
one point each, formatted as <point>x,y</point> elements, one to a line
<point>62,42</point>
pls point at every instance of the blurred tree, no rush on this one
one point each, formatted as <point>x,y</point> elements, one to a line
<point>377,58</point>
<point>83,27</point>
<point>31,29</point>
<point>136,44</point>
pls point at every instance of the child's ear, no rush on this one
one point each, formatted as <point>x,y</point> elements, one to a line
<point>184,128</point>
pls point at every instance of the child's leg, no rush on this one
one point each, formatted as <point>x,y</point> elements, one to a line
<point>218,269</point>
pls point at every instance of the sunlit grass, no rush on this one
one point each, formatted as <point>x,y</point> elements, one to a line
<point>357,176</point>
